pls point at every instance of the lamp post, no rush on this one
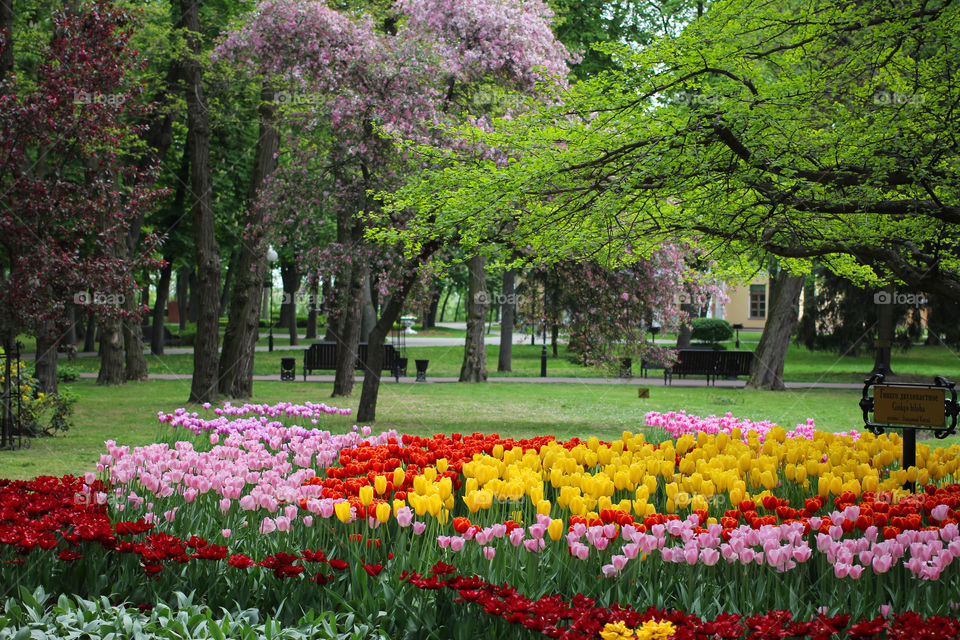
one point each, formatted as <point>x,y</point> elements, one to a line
<point>737,328</point>
<point>543,350</point>
<point>271,258</point>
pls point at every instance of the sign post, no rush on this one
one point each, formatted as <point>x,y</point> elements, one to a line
<point>910,406</point>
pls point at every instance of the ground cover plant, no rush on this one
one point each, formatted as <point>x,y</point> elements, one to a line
<point>696,528</point>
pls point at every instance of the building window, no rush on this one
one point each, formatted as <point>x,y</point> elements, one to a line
<point>758,301</point>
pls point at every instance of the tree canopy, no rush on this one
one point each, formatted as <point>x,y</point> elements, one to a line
<point>808,129</point>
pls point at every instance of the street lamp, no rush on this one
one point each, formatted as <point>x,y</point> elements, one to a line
<point>543,350</point>
<point>271,258</point>
<point>737,328</point>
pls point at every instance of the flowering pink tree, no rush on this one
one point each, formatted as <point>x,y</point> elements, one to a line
<point>431,63</point>
<point>610,312</point>
<point>69,189</point>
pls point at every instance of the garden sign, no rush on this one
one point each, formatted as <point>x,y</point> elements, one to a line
<point>910,406</point>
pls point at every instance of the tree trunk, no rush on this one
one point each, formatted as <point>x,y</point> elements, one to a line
<point>90,335</point>
<point>554,338</point>
<point>46,360</point>
<point>446,298</point>
<point>368,313</point>
<point>886,329</point>
<point>228,281</point>
<point>243,379</point>
<point>70,338</point>
<point>111,352</point>
<point>313,287</point>
<point>367,409</point>
<point>508,304</point>
<point>206,348</point>
<point>430,318</point>
<point>182,299</point>
<point>332,329</point>
<point>193,305</point>
<point>684,334</point>
<point>348,341</point>
<point>160,307</point>
<point>781,322</point>
<point>474,368</point>
<point>290,276</point>
<point>136,361</point>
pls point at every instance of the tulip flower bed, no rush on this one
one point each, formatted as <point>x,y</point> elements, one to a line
<point>716,528</point>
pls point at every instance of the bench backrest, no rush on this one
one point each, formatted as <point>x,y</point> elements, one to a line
<point>695,361</point>
<point>323,355</point>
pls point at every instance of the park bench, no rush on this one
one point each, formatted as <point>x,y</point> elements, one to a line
<point>732,364</point>
<point>322,356</point>
<point>709,363</point>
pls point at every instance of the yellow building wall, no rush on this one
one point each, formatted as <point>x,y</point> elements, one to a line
<point>737,310</point>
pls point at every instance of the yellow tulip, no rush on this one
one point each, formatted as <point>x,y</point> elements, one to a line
<point>366,495</point>
<point>442,465</point>
<point>543,507</point>
<point>380,484</point>
<point>398,477</point>
<point>555,529</point>
<point>383,512</point>
<point>342,509</point>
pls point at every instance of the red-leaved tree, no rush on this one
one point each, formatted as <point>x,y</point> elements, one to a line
<point>69,185</point>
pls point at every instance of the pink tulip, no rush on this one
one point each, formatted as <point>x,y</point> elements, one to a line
<point>404,516</point>
<point>609,570</point>
<point>225,505</point>
<point>534,544</point>
<point>619,562</point>
<point>283,523</point>
<point>516,537</point>
<point>940,512</point>
<point>226,533</point>
<point>489,552</point>
<point>580,550</point>
<point>268,526</point>
<point>248,503</point>
<point>419,527</point>
<point>456,543</point>
<point>308,521</point>
<point>709,557</point>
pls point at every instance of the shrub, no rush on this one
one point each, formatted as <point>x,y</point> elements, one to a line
<point>711,330</point>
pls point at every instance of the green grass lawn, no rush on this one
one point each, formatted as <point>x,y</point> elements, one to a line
<point>127,414</point>
<point>921,363</point>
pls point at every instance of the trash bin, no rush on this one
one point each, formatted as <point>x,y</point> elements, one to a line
<point>626,368</point>
<point>288,369</point>
<point>421,370</point>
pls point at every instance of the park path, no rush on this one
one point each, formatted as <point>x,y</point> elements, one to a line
<point>656,381</point>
